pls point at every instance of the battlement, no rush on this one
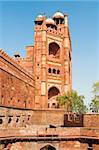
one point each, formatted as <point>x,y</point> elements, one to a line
<point>15,64</point>
<point>17,85</point>
<point>54,32</point>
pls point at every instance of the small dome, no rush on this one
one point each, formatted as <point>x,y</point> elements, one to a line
<point>58,15</point>
<point>50,21</point>
<point>39,18</point>
<point>16,54</point>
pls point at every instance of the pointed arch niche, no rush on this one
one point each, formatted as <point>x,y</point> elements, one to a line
<point>54,50</point>
<point>48,147</point>
<point>52,95</point>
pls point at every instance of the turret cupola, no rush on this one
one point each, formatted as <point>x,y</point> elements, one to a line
<point>39,20</point>
<point>58,17</point>
<point>50,23</point>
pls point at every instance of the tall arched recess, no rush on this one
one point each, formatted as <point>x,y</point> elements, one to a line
<point>48,147</point>
<point>52,95</point>
<point>53,91</point>
<point>54,50</point>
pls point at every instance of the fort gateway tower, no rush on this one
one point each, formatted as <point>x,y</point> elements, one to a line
<point>29,87</point>
<point>50,59</point>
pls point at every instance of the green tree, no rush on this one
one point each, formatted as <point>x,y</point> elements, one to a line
<point>94,105</point>
<point>72,102</point>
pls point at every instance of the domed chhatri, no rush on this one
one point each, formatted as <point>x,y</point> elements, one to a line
<point>39,18</point>
<point>50,21</point>
<point>58,14</point>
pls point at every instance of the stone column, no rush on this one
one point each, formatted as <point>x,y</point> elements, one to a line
<point>43,68</point>
<point>66,54</point>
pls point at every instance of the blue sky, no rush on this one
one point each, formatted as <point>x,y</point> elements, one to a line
<point>16,32</point>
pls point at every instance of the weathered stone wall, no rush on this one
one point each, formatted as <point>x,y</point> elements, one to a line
<point>46,117</point>
<point>16,86</point>
<point>40,145</point>
<point>36,117</point>
<point>91,120</point>
<point>30,125</point>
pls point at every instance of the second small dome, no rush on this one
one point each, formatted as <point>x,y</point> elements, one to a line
<point>58,14</point>
<point>50,21</point>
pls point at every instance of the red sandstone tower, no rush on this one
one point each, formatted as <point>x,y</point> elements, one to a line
<point>48,65</point>
<point>52,59</point>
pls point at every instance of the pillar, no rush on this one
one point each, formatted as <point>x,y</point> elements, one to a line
<point>43,68</point>
<point>66,54</point>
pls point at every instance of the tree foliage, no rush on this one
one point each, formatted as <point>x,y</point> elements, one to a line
<point>94,106</point>
<point>72,102</point>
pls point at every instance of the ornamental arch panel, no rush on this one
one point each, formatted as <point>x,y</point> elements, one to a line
<point>53,91</point>
<point>54,50</point>
<point>52,96</point>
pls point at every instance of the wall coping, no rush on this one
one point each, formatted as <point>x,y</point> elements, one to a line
<point>14,63</point>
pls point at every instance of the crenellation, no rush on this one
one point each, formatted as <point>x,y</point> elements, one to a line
<point>56,33</point>
<point>11,61</point>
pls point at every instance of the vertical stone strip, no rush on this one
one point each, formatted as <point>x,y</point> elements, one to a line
<point>43,67</point>
<point>66,55</point>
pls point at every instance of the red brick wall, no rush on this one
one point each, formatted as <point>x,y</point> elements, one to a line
<point>16,86</point>
<point>37,117</point>
<point>91,120</point>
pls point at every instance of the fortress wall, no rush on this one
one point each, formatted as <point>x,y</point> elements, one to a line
<point>31,117</point>
<point>43,118</point>
<point>91,120</point>
<point>16,85</point>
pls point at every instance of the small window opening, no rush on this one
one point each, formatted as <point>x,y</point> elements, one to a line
<point>53,104</point>
<point>54,71</point>
<point>1,121</point>
<point>37,77</point>
<point>28,117</point>
<point>58,71</point>
<point>18,100</point>
<point>49,70</point>
<point>9,121</point>
<point>17,120</point>
<point>38,64</point>
<point>48,105</point>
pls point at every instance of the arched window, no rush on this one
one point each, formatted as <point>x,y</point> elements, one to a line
<point>54,50</point>
<point>58,71</point>
<point>53,91</point>
<point>54,71</point>
<point>49,70</point>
